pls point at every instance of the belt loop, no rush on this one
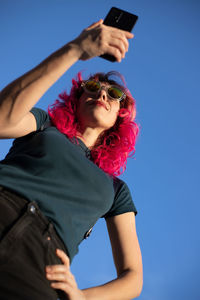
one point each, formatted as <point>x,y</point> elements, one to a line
<point>50,228</point>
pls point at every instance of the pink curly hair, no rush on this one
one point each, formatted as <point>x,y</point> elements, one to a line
<point>114,145</point>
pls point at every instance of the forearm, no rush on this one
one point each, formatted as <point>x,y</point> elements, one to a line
<point>125,287</point>
<point>22,94</point>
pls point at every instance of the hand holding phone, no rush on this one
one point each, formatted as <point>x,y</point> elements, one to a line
<point>120,19</point>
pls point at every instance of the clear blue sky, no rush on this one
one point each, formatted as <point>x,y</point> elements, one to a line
<point>162,72</point>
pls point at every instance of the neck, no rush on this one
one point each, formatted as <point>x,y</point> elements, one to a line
<point>89,136</point>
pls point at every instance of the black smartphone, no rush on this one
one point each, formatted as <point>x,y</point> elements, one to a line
<point>120,19</point>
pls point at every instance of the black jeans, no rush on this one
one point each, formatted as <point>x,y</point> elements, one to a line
<point>27,244</point>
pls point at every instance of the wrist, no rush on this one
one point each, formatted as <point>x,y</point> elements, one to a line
<point>75,49</point>
<point>84,296</point>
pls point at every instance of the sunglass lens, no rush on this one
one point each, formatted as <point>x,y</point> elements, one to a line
<point>114,92</point>
<point>92,86</point>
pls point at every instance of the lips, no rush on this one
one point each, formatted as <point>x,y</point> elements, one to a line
<point>100,103</point>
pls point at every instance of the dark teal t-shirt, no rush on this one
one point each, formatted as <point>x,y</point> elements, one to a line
<point>71,191</point>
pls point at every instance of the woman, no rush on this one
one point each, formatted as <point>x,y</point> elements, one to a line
<point>60,175</point>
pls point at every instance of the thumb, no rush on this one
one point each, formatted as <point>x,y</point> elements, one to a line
<point>95,24</point>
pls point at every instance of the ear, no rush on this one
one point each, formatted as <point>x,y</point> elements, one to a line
<point>133,115</point>
<point>124,112</point>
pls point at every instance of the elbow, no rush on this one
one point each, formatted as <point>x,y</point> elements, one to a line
<point>139,288</point>
<point>137,284</point>
<point>134,283</point>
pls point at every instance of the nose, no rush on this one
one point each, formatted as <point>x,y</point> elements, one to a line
<point>103,95</point>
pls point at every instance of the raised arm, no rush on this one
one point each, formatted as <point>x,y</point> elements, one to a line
<point>17,99</point>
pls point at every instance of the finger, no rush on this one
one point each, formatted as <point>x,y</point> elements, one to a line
<point>62,286</point>
<point>63,256</point>
<point>128,35</point>
<point>115,47</point>
<point>95,24</point>
<point>115,52</point>
<point>121,36</point>
<point>56,277</point>
<point>57,269</point>
<point>119,45</point>
<point>69,278</point>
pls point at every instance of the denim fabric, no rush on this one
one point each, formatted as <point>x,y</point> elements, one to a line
<point>27,244</point>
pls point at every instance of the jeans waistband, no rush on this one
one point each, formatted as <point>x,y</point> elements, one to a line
<point>31,207</point>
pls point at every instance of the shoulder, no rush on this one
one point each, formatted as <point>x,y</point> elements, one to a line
<point>123,201</point>
<point>119,184</point>
<point>40,115</point>
<point>29,123</point>
<point>122,191</point>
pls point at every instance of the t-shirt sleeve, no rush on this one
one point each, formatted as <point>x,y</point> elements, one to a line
<point>123,201</point>
<point>40,115</point>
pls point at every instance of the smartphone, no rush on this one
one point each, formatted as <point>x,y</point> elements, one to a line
<point>120,19</point>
